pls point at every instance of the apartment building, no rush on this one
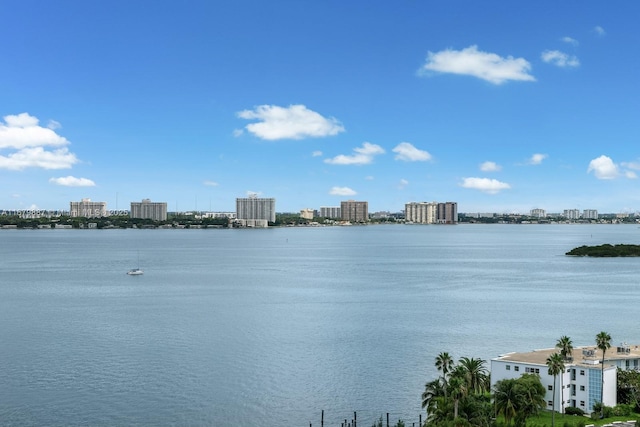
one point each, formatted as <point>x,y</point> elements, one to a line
<point>580,384</point>
<point>88,209</point>
<point>421,212</point>
<point>146,209</point>
<point>354,211</point>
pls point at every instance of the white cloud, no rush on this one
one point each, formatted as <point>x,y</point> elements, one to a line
<point>25,139</point>
<point>293,122</point>
<point>369,178</point>
<point>603,168</point>
<point>403,183</point>
<point>38,157</point>
<point>408,153</point>
<point>72,181</point>
<point>342,191</point>
<point>253,193</point>
<point>599,30</point>
<point>362,156</point>
<point>570,40</point>
<point>630,175</point>
<point>560,59</point>
<point>210,183</point>
<point>483,65</point>
<point>316,153</point>
<point>631,165</point>
<point>22,131</point>
<point>238,133</point>
<point>537,159</point>
<point>490,167</point>
<point>486,185</point>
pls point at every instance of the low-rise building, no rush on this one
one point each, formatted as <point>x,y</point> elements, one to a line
<point>580,384</point>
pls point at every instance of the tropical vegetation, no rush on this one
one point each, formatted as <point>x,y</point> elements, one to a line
<point>606,250</point>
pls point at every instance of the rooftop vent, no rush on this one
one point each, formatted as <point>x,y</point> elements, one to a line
<point>623,348</point>
<point>589,352</point>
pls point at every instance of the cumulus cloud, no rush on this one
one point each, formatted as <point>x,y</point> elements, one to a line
<point>405,151</point>
<point>490,167</point>
<point>72,181</point>
<point>293,122</point>
<point>537,159</point>
<point>603,167</point>
<point>38,157</point>
<point>210,183</point>
<point>342,191</point>
<point>560,59</point>
<point>362,155</point>
<point>486,185</point>
<point>25,143</point>
<point>483,65</point>
<point>599,30</point>
<point>570,40</point>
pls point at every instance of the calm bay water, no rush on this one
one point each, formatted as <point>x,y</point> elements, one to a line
<point>269,327</point>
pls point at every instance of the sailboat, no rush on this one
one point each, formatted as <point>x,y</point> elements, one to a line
<point>136,271</point>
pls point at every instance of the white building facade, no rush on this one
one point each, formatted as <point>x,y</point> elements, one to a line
<point>88,209</point>
<point>421,212</point>
<point>256,208</point>
<point>580,384</point>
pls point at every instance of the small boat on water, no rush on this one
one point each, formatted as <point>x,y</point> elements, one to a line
<point>136,271</point>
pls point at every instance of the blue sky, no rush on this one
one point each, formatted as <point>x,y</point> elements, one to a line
<point>498,106</point>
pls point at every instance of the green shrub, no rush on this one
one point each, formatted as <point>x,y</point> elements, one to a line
<point>573,411</point>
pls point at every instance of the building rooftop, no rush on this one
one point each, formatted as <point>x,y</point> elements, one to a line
<point>587,356</point>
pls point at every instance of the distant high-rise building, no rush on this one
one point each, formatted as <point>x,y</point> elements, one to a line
<point>590,214</point>
<point>354,211</point>
<point>88,209</point>
<point>447,213</point>
<point>538,213</point>
<point>306,213</point>
<point>571,214</point>
<point>252,208</point>
<point>147,209</point>
<point>421,212</point>
<point>330,212</point>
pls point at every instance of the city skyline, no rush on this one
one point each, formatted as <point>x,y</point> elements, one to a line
<point>500,107</point>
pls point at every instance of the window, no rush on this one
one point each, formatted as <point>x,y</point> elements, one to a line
<point>549,387</point>
<point>582,403</point>
<point>626,363</point>
<point>550,403</point>
<point>582,372</point>
<point>537,371</point>
<point>581,388</point>
<point>508,367</point>
<point>516,368</point>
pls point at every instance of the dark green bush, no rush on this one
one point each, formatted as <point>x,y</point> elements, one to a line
<point>573,411</point>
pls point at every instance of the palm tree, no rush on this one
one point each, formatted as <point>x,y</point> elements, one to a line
<point>565,345</point>
<point>566,350</point>
<point>444,364</point>
<point>475,374</point>
<point>458,387</point>
<point>432,390</point>
<point>506,399</point>
<point>555,362</point>
<point>603,342</point>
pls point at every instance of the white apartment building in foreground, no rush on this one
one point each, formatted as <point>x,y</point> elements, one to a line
<point>581,380</point>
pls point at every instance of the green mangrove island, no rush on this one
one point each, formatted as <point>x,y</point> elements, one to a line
<point>606,250</point>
